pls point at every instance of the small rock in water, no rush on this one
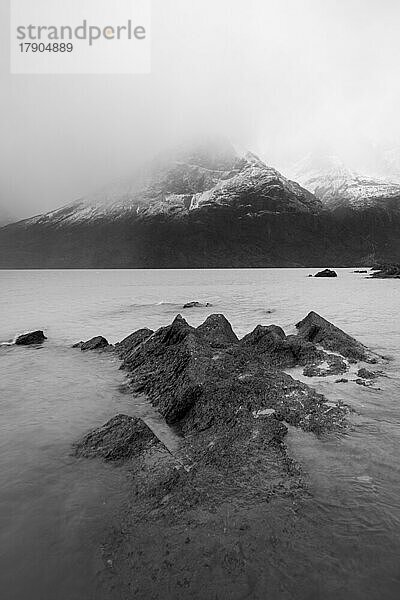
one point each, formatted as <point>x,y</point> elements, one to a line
<point>96,343</point>
<point>365,374</point>
<point>326,273</point>
<point>196,305</point>
<point>363,382</point>
<point>343,380</point>
<point>34,337</point>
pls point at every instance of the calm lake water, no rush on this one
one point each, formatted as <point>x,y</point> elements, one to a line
<point>55,511</point>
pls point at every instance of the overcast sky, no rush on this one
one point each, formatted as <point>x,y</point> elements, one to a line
<point>280,77</point>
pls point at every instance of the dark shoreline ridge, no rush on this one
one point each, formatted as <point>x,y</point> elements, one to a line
<point>232,401</point>
<point>386,271</point>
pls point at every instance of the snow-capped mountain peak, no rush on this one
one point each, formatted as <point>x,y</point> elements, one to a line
<point>178,184</point>
<point>338,186</point>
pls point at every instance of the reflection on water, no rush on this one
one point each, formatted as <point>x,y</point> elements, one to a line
<point>55,511</point>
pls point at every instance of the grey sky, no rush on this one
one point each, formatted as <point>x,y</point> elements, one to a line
<point>282,77</point>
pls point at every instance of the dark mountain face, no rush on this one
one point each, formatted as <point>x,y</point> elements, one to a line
<point>201,209</point>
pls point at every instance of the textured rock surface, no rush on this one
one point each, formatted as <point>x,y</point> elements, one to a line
<point>218,332</point>
<point>96,343</point>
<point>318,330</point>
<point>34,337</point>
<point>170,366</point>
<point>326,273</point>
<point>231,402</point>
<point>120,438</point>
<point>200,377</point>
<point>366,374</point>
<point>131,342</point>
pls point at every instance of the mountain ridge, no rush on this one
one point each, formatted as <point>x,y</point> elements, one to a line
<point>203,209</point>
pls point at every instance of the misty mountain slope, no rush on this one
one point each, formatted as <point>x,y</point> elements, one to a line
<point>200,208</point>
<point>5,217</point>
<point>180,184</point>
<point>339,187</point>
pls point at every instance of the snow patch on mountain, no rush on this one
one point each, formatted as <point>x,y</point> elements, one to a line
<point>340,187</point>
<point>175,187</point>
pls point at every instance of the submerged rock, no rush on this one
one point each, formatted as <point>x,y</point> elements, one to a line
<point>27,339</point>
<point>96,343</point>
<point>318,330</point>
<point>121,438</point>
<point>360,271</point>
<point>326,273</point>
<point>196,305</point>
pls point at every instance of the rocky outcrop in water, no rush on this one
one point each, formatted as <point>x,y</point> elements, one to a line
<point>195,376</point>
<point>318,330</point>
<point>27,339</point>
<point>232,402</point>
<point>290,351</point>
<point>326,273</point>
<point>96,343</point>
<point>366,374</point>
<point>121,438</point>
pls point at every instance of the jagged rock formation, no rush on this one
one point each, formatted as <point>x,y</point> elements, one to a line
<point>121,438</point>
<point>232,402</point>
<point>130,343</point>
<point>229,398</point>
<point>318,330</point>
<point>217,331</point>
<point>197,375</point>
